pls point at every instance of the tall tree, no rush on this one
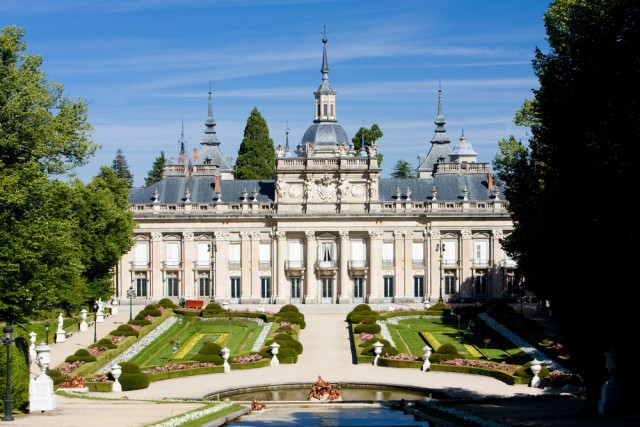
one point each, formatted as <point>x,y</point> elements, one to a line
<point>104,229</point>
<point>369,136</point>
<point>121,167</point>
<point>256,156</point>
<point>572,182</point>
<point>155,174</point>
<point>42,134</point>
<point>402,169</point>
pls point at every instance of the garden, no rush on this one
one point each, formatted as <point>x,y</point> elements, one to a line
<point>467,341</point>
<point>165,341</point>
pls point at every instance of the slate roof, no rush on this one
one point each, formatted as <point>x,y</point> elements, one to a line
<point>172,189</point>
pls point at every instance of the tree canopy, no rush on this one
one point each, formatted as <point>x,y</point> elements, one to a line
<point>155,174</point>
<point>369,136</point>
<point>571,182</point>
<point>47,251</point>
<point>121,167</point>
<point>402,169</point>
<point>256,156</point>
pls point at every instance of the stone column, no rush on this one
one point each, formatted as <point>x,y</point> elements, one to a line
<point>187,284</point>
<point>283,292</point>
<point>375,267</point>
<point>466,259</point>
<point>399,266</point>
<point>433,265</point>
<point>408,266</point>
<point>155,283</point>
<point>221,284</point>
<point>346,288</point>
<point>255,266</point>
<point>311,284</point>
<point>245,270</point>
<point>496,255</point>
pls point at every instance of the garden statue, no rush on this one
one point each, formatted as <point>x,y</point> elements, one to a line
<point>75,382</point>
<point>255,406</point>
<point>41,394</point>
<point>323,391</point>
<point>61,335</point>
<point>32,346</point>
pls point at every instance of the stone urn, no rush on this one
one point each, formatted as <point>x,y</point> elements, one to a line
<point>116,371</point>
<point>274,350</point>
<point>377,349</point>
<point>83,324</point>
<point>535,370</point>
<point>225,356</point>
<point>41,395</point>
<point>426,352</point>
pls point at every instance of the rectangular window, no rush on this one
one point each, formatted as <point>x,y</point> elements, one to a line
<point>172,286</point>
<point>234,255</point>
<point>141,286</point>
<point>480,282</point>
<point>449,283</point>
<point>480,252</point>
<point>203,255</point>
<point>511,286</point>
<point>296,289</point>
<point>141,255</point>
<point>265,289</point>
<point>204,285</point>
<point>235,289</point>
<point>325,109</point>
<point>173,255</point>
<point>418,286</point>
<point>265,255</point>
<point>450,253</point>
<point>327,289</point>
<point>418,254</point>
<point>295,254</point>
<point>358,253</point>
<point>388,289</point>
<point>387,254</point>
<point>358,289</point>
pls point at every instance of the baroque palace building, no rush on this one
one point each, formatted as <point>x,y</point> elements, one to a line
<point>326,229</point>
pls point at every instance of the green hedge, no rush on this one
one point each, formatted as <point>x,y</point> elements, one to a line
<point>186,312</point>
<point>105,387</point>
<point>499,375</point>
<point>184,373</point>
<point>393,363</point>
<point>19,377</point>
<point>368,329</point>
<point>132,378</point>
<point>257,364</point>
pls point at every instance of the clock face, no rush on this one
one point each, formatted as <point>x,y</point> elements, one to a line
<point>295,191</point>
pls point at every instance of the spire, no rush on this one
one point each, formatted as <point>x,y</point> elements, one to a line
<point>182,141</point>
<point>441,133</point>
<point>210,137</point>
<point>325,64</point>
<point>287,153</point>
<point>325,95</point>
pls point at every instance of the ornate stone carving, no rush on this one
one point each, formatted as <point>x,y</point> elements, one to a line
<point>498,234</point>
<point>373,188</point>
<point>434,234</point>
<point>342,188</point>
<point>281,188</point>
<point>187,235</point>
<point>466,234</point>
<point>221,235</point>
<point>281,235</point>
<point>372,150</point>
<point>408,234</point>
<point>255,235</point>
<point>156,236</point>
<point>295,191</point>
<point>310,235</point>
<point>309,149</point>
<point>397,234</point>
<point>326,188</point>
<point>344,234</point>
<point>280,150</point>
<point>245,235</point>
<point>357,191</point>
<point>308,189</point>
<point>375,235</point>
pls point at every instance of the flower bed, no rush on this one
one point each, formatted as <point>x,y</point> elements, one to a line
<point>177,367</point>
<point>247,359</point>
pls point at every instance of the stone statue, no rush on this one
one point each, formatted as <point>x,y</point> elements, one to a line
<point>323,391</point>
<point>75,382</point>
<point>342,188</point>
<point>373,189</point>
<point>280,150</point>
<point>308,184</point>
<point>372,149</point>
<point>343,150</point>
<point>309,149</point>
<point>280,188</point>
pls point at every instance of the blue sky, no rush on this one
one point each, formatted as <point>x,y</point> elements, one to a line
<point>145,65</point>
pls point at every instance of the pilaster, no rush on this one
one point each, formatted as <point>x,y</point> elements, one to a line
<point>345,290</point>
<point>222,285</point>
<point>399,269</point>
<point>375,267</point>
<point>496,254</point>
<point>187,284</point>
<point>283,292</point>
<point>408,266</point>
<point>245,270</point>
<point>465,259</point>
<point>155,285</point>
<point>311,284</point>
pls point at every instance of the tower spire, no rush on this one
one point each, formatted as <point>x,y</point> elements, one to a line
<point>441,133</point>
<point>325,95</point>
<point>210,137</point>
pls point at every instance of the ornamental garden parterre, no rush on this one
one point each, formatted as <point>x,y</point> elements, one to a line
<point>165,341</point>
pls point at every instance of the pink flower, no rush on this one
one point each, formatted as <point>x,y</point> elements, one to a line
<point>247,359</point>
<point>116,339</point>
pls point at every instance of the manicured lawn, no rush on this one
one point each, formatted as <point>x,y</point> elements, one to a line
<point>237,335</point>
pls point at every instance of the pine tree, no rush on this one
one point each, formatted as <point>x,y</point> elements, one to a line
<point>155,174</point>
<point>256,156</point>
<point>121,167</point>
<point>402,169</point>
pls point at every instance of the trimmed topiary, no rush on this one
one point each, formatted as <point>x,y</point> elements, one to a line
<point>166,303</point>
<point>19,375</point>
<point>86,359</point>
<point>124,328</point>
<point>139,322</point>
<point>289,307</point>
<point>104,342</point>
<point>365,318</point>
<point>447,349</point>
<point>209,358</point>
<point>131,333</point>
<point>81,352</point>
<point>368,329</point>
<point>387,349</point>
<point>373,341</point>
<point>210,348</point>
<point>287,355</point>
<point>214,306</point>
<point>149,312</point>
<point>151,307</point>
<point>361,307</point>
<point>132,378</point>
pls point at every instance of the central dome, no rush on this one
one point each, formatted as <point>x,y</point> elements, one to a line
<point>325,134</point>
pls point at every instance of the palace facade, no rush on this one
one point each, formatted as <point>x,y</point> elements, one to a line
<point>326,229</point>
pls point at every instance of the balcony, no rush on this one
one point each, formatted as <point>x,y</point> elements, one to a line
<point>294,265</point>
<point>481,262</point>
<point>171,265</point>
<point>418,263</point>
<point>265,265</point>
<point>140,265</point>
<point>235,264</point>
<point>202,265</point>
<point>450,263</point>
<point>356,265</point>
<point>388,263</point>
<point>326,265</point>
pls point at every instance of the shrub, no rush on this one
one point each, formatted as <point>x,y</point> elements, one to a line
<point>182,313</point>
<point>149,312</point>
<point>85,359</point>
<point>369,329</point>
<point>292,317</point>
<point>18,358</point>
<point>130,333</point>
<point>289,308</point>
<point>104,342</point>
<point>361,307</point>
<point>287,329</point>
<point>209,358</point>
<point>210,348</point>
<point>166,303</point>
<point>448,349</point>
<point>287,343</point>
<point>82,352</point>
<point>373,341</point>
<point>132,378</point>
<point>139,322</point>
<point>387,349</point>
<point>214,306</point>
<point>366,318</point>
<point>437,357</point>
<point>125,328</point>
<point>151,307</point>
<point>287,355</point>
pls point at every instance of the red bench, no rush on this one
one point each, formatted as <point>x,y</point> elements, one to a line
<point>192,303</point>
